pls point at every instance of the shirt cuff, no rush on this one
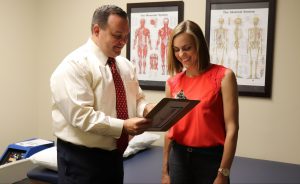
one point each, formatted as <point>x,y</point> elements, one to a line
<point>141,108</point>
<point>116,127</point>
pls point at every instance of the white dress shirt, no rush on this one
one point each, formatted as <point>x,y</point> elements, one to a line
<point>84,98</point>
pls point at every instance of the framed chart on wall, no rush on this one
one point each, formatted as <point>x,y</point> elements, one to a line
<point>151,24</point>
<point>240,34</point>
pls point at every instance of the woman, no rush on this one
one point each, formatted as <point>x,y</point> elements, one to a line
<point>201,146</point>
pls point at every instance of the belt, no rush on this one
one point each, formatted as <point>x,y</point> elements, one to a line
<point>76,147</point>
<point>204,150</point>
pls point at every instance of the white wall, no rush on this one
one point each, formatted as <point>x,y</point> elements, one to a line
<point>50,29</point>
<point>18,71</point>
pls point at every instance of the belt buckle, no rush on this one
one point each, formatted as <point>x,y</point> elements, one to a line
<point>189,149</point>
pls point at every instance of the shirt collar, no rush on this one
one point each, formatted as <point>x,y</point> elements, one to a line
<point>97,51</point>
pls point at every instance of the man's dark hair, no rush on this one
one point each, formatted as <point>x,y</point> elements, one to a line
<point>102,13</point>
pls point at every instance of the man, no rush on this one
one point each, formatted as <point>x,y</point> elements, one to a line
<point>85,110</point>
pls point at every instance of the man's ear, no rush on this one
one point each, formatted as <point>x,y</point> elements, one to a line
<point>96,29</point>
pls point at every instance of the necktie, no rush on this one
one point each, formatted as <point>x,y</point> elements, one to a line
<point>121,103</point>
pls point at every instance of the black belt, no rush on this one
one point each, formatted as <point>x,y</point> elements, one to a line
<point>205,150</point>
<point>83,148</point>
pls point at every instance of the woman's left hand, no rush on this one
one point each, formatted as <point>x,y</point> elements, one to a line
<point>220,179</point>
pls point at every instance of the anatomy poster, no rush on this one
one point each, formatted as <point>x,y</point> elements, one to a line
<point>149,35</point>
<point>238,40</point>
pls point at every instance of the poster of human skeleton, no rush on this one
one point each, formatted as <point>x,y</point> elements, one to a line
<point>238,40</point>
<point>150,29</point>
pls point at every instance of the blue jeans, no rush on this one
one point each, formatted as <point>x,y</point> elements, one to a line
<point>194,165</point>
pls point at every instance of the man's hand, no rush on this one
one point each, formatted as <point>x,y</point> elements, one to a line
<point>136,126</point>
<point>148,108</point>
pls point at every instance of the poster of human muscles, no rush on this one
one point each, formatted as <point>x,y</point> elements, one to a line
<point>149,36</point>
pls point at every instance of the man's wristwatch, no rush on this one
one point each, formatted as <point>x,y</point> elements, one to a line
<point>224,171</point>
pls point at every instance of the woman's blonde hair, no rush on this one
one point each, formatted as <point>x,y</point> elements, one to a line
<point>191,28</point>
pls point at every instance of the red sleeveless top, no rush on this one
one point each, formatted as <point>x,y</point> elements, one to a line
<point>204,125</point>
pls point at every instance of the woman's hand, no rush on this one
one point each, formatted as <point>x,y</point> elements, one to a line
<point>220,179</point>
<point>165,179</point>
